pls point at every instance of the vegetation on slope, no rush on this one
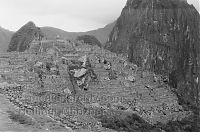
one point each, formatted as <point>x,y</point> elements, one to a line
<point>89,39</point>
<point>21,40</point>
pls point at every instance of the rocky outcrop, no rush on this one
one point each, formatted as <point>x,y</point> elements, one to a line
<point>21,40</point>
<point>161,36</point>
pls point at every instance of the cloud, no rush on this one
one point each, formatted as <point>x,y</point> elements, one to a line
<point>77,13</point>
<point>70,15</point>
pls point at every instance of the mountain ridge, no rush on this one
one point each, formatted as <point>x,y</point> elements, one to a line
<point>101,33</point>
<point>5,36</point>
<point>51,33</point>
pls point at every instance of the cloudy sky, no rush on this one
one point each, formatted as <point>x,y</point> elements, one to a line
<point>69,15</point>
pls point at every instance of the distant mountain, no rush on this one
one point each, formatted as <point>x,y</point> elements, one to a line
<point>26,35</point>
<point>5,36</point>
<point>89,39</point>
<point>101,34</point>
<point>51,33</point>
<point>21,40</point>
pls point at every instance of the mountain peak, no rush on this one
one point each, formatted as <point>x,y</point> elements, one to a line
<point>21,40</point>
<point>161,36</point>
<point>144,3</point>
<point>30,23</point>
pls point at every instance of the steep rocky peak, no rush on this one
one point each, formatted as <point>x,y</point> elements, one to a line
<point>28,26</point>
<point>145,3</point>
<point>161,36</point>
<point>21,40</point>
<point>30,23</point>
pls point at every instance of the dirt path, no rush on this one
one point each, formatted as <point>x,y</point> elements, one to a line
<point>6,124</point>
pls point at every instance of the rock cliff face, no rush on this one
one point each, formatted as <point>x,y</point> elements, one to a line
<point>21,40</point>
<point>161,36</point>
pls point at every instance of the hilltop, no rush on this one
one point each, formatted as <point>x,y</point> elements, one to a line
<point>21,40</point>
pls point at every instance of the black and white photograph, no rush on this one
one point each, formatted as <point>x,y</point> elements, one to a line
<point>99,65</point>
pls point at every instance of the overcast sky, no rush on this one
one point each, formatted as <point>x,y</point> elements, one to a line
<point>69,15</point>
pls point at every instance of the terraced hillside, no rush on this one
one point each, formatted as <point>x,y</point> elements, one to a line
<point>81,91</point>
